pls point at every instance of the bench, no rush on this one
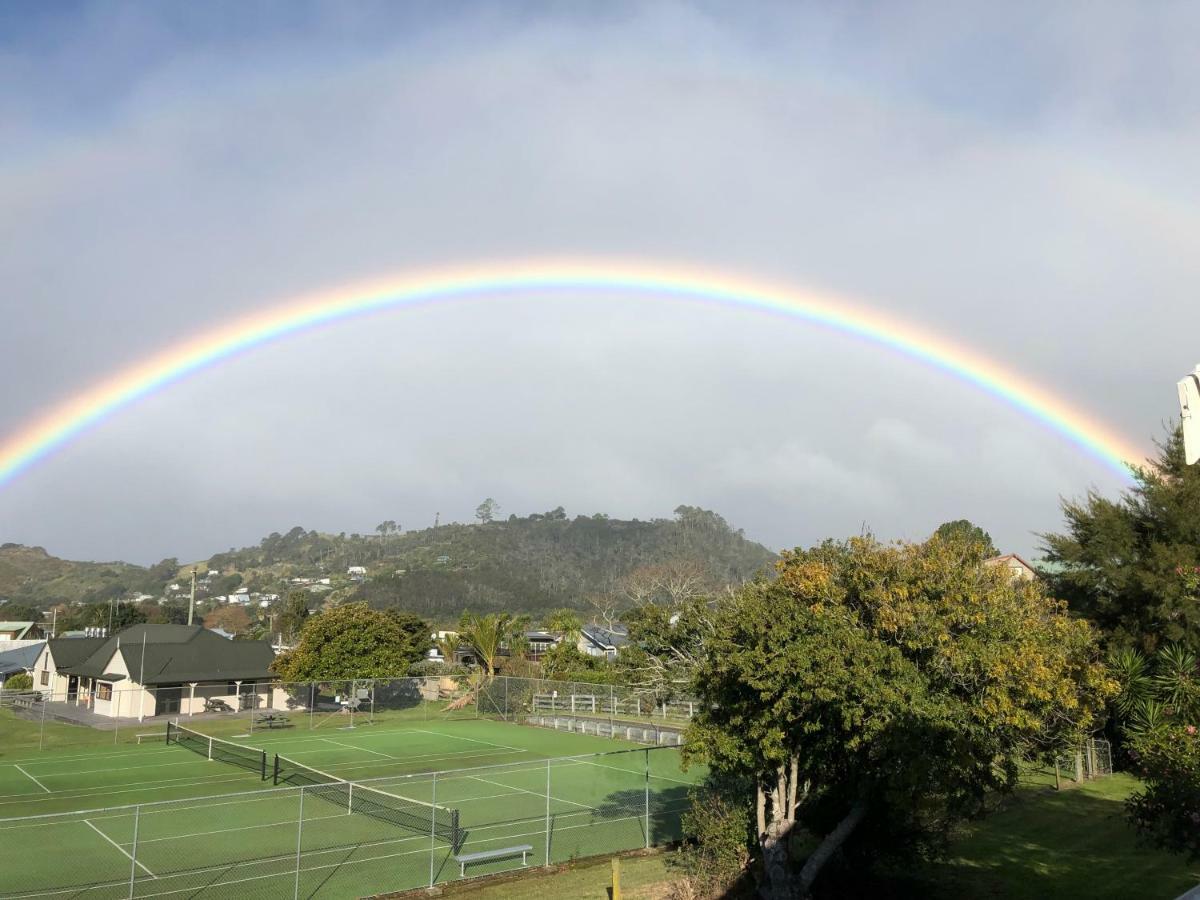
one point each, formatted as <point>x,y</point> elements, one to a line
<point>272,721</point>
<point>463,859</point>
<point>25,702</point>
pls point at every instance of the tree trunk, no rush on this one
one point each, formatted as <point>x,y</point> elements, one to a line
<point>829,846</point>
<point>776,818</point>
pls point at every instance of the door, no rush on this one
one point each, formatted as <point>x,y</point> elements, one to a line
<point>169,697</point>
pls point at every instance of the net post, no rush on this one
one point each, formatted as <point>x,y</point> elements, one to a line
<point>433,832</point>
<point>137,816</point>
<point>275,778</point>
<point>299,839</point>
<point>263,766</point>
<point>547,813</point>
<point>647,799</point>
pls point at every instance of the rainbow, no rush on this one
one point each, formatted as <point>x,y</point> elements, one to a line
<point>91,407</point>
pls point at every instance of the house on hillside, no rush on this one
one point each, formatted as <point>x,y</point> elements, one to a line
<point>601,640</point>
<point>21,631</point>
<point>539,642</point>
<point>154,670</point>
<point>1018,569</point>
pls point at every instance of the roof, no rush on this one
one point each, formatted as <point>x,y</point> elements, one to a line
<point>1005,559</point>
<point>21,659</point>
<point>175,654</point>
<point>70,651</point>
<point>19,627</point>
<point>617,636</point>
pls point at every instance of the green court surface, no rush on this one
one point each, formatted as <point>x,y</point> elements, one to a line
<point>210,828</point>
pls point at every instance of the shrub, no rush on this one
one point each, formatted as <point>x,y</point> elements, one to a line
<point>22,681</point>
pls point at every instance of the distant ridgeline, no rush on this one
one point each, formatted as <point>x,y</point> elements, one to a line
<point>529,564</point>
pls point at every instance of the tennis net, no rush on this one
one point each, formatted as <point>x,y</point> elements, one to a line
<point>251,758</point>
<point>413,815</point>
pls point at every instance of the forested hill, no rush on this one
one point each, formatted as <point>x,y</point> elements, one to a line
<point>528,564</point>
<point>520,564</point>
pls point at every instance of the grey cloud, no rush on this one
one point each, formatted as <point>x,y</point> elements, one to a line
<point>833,150</point>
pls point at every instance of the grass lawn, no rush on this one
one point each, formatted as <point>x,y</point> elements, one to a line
<point>1062,844</point>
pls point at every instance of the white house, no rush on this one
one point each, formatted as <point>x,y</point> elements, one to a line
<point>150,670</point>
<point>1018,569</point>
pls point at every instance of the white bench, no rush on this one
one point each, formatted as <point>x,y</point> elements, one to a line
<point>464,858</point>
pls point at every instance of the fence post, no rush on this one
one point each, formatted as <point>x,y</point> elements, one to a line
<point>137,816</point>
<point>505,698</point>
<point>433,832</point>
<point>42,727</point>
<point>312,699</point>
<point>647,799</point>
<point>299,844</point>
<point>117,714</point>
<point>547,813</point>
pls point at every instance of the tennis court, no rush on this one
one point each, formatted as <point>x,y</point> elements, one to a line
<point>341,812</point>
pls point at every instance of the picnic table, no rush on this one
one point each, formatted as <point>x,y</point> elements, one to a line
<point>272,720</point>
<point>216,704</point>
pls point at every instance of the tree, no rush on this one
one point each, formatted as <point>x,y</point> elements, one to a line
<point>968,534</point>
<point>563,622</point>
<point>1158,709</point>
<point>233,619</point>
<point>22,681</point>
<point>486,511</point>
<point>1128,564</point>
<point>488,635</point>
<point>294,615</point>
<point>354,641</point>
<point>20,612</point>
<point>876,695</point>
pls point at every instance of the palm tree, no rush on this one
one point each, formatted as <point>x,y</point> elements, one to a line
<point>487,636</point>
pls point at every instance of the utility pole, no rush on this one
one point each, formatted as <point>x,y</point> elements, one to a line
<point>192,602</point>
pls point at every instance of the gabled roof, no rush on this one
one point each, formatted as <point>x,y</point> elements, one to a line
<point>70,651</point>
<point>19,660</point>
<point>178,653</point>
<point>21,628</point>
<point>1006,558</point>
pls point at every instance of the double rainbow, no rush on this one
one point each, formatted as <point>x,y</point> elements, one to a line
<point>92,406</point>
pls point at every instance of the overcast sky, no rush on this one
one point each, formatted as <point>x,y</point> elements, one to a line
<point>1018,177</point>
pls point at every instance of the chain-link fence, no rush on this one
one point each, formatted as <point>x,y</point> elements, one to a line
<point>1093,759</point>
<point>335,838</point>
<point>88,713</point>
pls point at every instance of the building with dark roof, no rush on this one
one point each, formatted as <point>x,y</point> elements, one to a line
<point>149,670</point>
<point>600,640</point>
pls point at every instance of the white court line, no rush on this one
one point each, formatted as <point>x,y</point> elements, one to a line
<point>459,737</point>
<point>189,873</point>
<point>542,794</point>
<point>119,847</point>
<point>31,778</point>
<point>642,774</point>
<point>363,749</point>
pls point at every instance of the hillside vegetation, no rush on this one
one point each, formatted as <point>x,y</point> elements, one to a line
<point>521,564</point>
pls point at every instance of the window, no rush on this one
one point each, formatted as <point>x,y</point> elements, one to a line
<point>45,677</point>
<point>104,691</point>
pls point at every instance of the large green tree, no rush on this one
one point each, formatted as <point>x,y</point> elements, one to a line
<point>355,641</point>
<point>1127,563</point>
<point>967,533</point>
<point>876,695</point>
